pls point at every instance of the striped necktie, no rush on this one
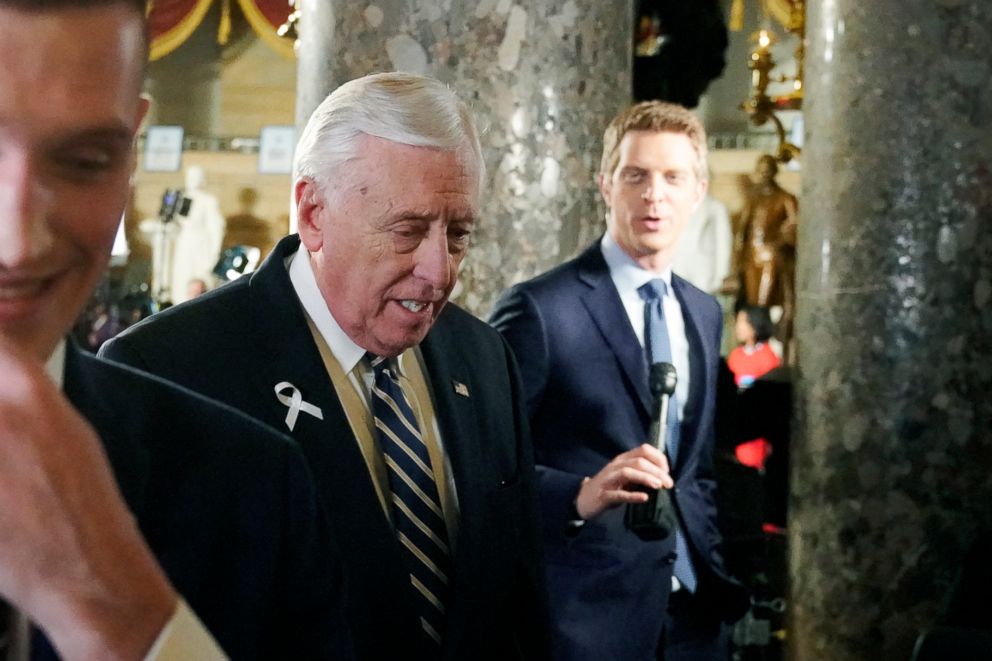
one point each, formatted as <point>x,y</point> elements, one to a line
<point>417,512</point>
<point>658,348</point>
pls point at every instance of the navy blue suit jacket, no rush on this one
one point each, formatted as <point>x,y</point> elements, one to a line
<point>227,506</point>
<point>586,379</point>
<point>237,342</point>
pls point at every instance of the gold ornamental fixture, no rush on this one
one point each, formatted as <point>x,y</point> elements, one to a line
<point>760,106</point>
<point>291,28</point>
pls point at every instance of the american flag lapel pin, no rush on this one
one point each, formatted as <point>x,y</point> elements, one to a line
<point>460,388</point>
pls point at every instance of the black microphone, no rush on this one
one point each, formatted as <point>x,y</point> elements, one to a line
<point>655,519</point>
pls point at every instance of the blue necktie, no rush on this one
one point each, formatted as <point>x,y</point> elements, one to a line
<point>417,512</point>
<point>658,349</point>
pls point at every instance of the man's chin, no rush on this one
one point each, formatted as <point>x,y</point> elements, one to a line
<point>396,343</point>
<point>29,342</point>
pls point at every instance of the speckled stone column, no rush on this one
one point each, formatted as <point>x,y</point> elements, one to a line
<point>543,79</point>
<point>893,450</point>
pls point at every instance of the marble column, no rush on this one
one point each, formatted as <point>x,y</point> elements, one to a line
<point>543,79</point>
<point>893,445</point>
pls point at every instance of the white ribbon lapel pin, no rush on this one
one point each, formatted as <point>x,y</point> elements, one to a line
<point>294,401</point>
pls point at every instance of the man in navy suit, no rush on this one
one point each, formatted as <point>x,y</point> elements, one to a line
<point>579,334</point>
<point>137,519</point>
<point>388,176</point>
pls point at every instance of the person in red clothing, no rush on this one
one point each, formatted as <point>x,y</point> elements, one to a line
<point>754,357</point>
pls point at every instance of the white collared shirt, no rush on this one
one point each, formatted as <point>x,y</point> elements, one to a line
<point>348,356</point>
<point>627,276</point>
<point>346,352</point>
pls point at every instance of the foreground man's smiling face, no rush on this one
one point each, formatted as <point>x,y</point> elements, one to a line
<point>68,114</point>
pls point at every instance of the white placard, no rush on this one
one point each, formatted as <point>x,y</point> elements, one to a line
<point>275,149</point>
<point>163,149</point>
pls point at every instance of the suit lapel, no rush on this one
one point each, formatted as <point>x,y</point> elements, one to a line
<point>448,373</point>
<point>450,377</point>
<point>699,360</point>
<point>603,304</point>
<point>287,352</point>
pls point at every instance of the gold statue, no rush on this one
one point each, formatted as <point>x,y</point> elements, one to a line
<point>763,266</point>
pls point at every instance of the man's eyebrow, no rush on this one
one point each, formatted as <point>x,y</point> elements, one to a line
<point>413,214</point>
<point>427,216</point>
<point>114,133</point>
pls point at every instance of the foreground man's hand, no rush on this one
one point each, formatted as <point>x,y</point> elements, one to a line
<point>644,466</point>
<point>71,555</point>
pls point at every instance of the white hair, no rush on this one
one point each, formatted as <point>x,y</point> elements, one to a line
<point>400,107</point>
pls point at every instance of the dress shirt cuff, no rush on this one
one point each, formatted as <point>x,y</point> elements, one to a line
<point>575,520</point>
<point>184,637</point>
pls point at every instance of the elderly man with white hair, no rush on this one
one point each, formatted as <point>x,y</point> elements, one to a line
<point>408,409</point>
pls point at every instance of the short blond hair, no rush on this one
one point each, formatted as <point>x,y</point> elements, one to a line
<point>653,116</point>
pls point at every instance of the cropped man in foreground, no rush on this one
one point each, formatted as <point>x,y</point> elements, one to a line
<point>138,520</point>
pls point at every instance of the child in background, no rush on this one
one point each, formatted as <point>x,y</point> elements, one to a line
<point>754,357</point>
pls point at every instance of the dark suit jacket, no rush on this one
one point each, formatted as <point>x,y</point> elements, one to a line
<point>586,379</point>
<point>228,507</point>
<point>237,342</point>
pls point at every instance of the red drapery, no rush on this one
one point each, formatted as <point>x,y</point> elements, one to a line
<point>265,17</point>
<point>171,22</point>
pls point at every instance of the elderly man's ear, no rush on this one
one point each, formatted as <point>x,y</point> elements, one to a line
<point>310,202</point>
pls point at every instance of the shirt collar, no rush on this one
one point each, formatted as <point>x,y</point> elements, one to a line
<point>55,365</point>
<point>345,351</point>
<point>627,274</point>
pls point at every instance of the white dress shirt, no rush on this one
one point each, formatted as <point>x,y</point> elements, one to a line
<point>348,355</point>
<point>627,276</point>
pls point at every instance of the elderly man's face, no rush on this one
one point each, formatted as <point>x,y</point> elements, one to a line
<point>387,241</point>
<point>69,108</point>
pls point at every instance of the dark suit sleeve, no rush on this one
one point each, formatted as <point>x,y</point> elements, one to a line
<point>521,324</point>
<point>519,319</point>
<point>532,617</point>
<point>730,598</point>
<point>705,478</point>
<point>119,350</point>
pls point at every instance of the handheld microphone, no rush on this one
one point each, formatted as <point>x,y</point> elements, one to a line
<point>655,519</point>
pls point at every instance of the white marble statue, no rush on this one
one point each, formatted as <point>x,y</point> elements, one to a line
<point>198,238</point>
<point>703,253</point>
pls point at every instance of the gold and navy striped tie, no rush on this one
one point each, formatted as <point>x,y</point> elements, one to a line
<point>417,513</point>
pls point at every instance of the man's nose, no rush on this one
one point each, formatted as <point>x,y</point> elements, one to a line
<point>24,232</point>
<point>654,189</point>
<point>433,261</point>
